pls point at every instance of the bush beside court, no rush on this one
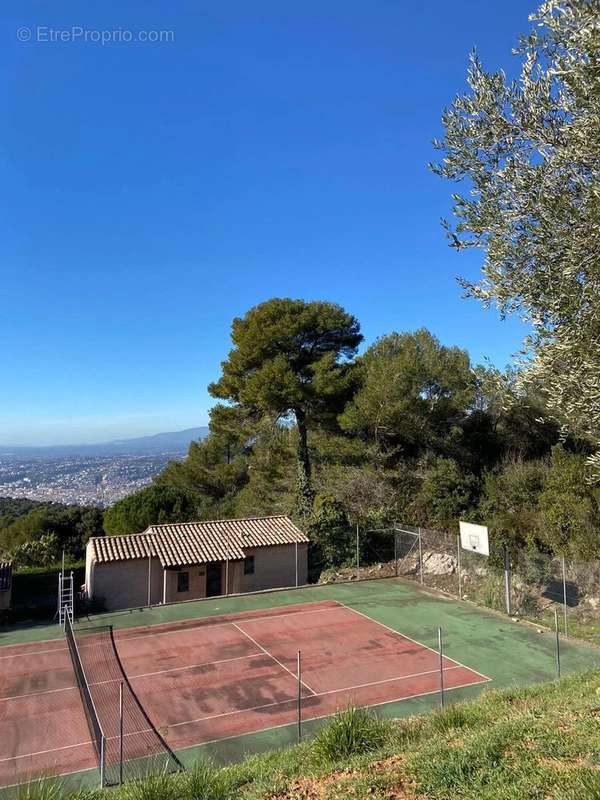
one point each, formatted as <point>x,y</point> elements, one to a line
<point>510,744</point>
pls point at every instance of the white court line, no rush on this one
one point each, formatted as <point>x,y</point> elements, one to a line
<point>31,652</point>
<point>180,669</point>
<point>131,677</point>
<point>414,641</point>
<point>187,628</point>
<point>276,660</point>
<point>332,691</point>
<point>227,623</point>
<point>36,694</point>
<point>43,752</point>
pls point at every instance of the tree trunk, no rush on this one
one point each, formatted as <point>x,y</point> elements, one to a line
<point>304,491</point>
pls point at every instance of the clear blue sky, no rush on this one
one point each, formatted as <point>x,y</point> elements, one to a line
<point>153,191</point>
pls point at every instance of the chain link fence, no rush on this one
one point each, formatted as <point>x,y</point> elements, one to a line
<point>525,583</point>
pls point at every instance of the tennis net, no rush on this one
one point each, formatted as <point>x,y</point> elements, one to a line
<point>131,746</point>
<point>91,715</point>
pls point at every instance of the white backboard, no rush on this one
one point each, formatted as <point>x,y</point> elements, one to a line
<point>474,538</point>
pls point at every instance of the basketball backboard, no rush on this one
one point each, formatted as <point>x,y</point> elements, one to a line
<point>474,538</point>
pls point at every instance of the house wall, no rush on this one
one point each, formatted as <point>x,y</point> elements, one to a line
<point>124,584</point>
<point>274,567</point>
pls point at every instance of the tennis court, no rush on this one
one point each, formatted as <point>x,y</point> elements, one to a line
<point>202,680</point>
<point>218,676</point>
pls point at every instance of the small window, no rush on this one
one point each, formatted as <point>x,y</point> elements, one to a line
<point>183,581</point>
<point>249,565</point>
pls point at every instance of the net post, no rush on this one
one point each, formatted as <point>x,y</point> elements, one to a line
<point>357,553</point>
<point>441,652</point>
<point>564,583</point>
<point>507,580</point>
<point>458,567</point>
<point>557,644</point>
<point>420,556</point>
<point>121,733</point>
<point>102,758</point>
<point>299,673</point>
<point>60,580</point>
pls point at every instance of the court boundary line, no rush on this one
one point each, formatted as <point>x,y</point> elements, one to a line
<point>414,641</point>
<point>227,622</point>
<point>331,604</point>
<point>276,660</point>
<point>133,677</point>
<point>334,691</point>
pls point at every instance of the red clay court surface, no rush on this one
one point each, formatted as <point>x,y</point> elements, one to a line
<point>212,678</point>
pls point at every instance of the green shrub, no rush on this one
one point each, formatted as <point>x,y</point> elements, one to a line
<point>156,786</point>
<point>351,732</point>
<point>205,782</point>
<point>41,789</point>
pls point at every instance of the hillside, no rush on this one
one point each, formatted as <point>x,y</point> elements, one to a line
<point>539,742</point>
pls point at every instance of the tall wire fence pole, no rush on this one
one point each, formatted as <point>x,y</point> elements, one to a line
<point>149,575</point>
<point>557,644</point>
<point>226,565</point>
<point>296,557</point>
<point>458,566</point>
<point>507,580</point>
<point>441,652</point>
<point>420,556</point>
<point>396,553</point>
<point>299,673</point>
<point>564,582</point>
<point>357,553</point>
<point>121,733</point>
<point>102,759</point>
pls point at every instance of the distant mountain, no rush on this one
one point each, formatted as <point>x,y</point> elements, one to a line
<point>174,442</point>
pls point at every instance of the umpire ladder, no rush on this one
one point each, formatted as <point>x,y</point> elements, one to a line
<point>65,598</point>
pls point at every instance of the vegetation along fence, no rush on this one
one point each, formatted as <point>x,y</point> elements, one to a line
<point>524,583</point>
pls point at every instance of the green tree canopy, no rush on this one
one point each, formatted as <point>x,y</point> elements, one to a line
<point>528,152</point>
<point>290,360</point>
<point>152,505</point>
<point>414,392</point>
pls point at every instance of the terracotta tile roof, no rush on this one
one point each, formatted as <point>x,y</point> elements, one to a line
<point>184,543</point>
<point>5,575</point>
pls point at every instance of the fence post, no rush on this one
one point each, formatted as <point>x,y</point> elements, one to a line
<point>420,557</point>
<point>299,697</point>
<point>102,753</point>
<point>564,580</point>
<point>441,651</point>
<point>121,733</point>
<point>557,644</point>
<point>396,553</point>
<point>507,580</point>
<point>149,574</point>
<point>458,566</point>
<point>296,556</point>
<point>357,554</point>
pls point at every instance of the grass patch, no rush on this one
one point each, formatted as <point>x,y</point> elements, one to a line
<point>352,732</point>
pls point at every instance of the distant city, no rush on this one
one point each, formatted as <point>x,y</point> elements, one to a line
<point>96,474</point>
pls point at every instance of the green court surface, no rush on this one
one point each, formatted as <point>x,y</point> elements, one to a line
<point>510,653</point>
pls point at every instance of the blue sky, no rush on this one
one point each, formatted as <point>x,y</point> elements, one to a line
<point>153,191</point>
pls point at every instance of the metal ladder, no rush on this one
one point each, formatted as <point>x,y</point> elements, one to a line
<point>65,598</point>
